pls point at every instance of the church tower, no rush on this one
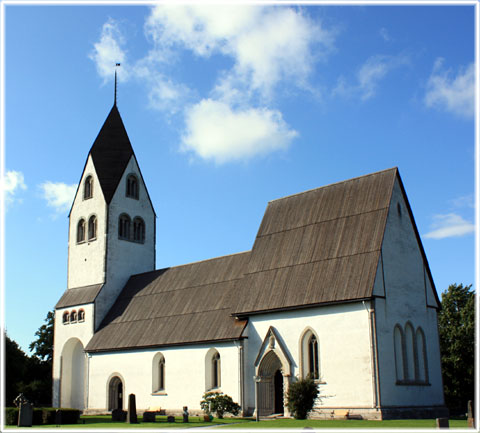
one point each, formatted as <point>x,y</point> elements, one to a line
<point>112,220</point>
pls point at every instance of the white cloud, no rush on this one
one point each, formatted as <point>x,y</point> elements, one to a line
<point>108,51</point>
<point>384,34</point>
<point>450,92</point>
<point>249,35</point>
<point>12,182</point>
<point>58,195</point>
<point>217,132</point>
<point>369,76</point>
<point>449,225</point>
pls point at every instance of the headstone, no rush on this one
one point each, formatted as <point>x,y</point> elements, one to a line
<point>170,418</point>
<point>148,416</point>
<point>470,416</point>
<point>119,415</point>
<point>58,417</point>
<point>25,415</point>
<point>185,413</point>
<point>442,423</point>
<point>132,410</point>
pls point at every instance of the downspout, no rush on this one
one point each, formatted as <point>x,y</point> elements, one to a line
<point>241,376</point>
<point>88,380</point>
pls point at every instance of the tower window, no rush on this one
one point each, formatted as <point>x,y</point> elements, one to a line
<point>132,186</point>
<point>124,227</point>
<point>66,318</point>
<point>88,188</point>
<point>92,228</point>
<point>81,316</point>
<point>81,231</point>
<point>73,316</point>
<point>138,230</point>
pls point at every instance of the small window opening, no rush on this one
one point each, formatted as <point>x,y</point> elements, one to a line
<point>216,370</point>
<point>132,186</point>
<point>73,316</point>
<point>138,230</point>
<point>88,188</point>
<point>81,231</point>
<point>92,228</point>
<point>66,318</point>
<point>81,316</point>
<point>124,227</point>
<point>313,357</point>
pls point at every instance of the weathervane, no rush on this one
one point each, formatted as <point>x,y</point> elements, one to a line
<point>115,96</point>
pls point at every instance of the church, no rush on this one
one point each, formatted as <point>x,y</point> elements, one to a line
<point>336,287</point>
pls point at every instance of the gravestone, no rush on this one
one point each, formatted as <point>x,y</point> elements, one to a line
<point>132,410</point>
<point>148,416</point>
<point>442,423</point>
<point>170,418</point>
<point>470,416</point>
<point>119,415</point>
<point>58,417</point>
<point>185,413</point>
<point>25,414</point>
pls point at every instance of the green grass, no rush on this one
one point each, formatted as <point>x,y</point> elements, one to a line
<point>104,422</point>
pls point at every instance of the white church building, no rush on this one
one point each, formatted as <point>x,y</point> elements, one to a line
<point>336,286</point>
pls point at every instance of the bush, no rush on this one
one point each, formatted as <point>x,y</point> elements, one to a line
<point>219,403</point>
<point>45,415</point>
<point>301,397</point>
<point>11,415</point>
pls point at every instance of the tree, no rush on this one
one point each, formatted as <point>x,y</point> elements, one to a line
<point>15,369</point>
<point>456,324</point>
<point>42,347</point>
<point>301,397</point>
<point>219,403</point>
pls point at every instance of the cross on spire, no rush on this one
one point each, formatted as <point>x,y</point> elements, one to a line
<point>115,94</point>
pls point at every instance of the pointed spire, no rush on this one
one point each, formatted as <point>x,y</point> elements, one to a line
<point>115,94</point>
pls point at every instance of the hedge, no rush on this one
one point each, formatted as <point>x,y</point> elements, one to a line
<point>44,415</point>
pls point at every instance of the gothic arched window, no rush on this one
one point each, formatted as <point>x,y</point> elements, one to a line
<point>422,375</point>
<point>132,186</point>
<point>138,230</point>
<point>81,231</point>
<point>313,358</point>
<point>88,188</point>
<point>216,370</point>
<point>92,228</point>
<point>410,371</point>
<point>398,345</point>
<point>124,227</point>
<point>158,373</point>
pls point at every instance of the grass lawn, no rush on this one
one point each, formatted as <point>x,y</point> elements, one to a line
<point>104,422</point>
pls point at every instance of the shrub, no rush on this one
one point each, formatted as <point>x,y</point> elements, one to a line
<point>11,415</point>
<point>219,403</point>
<point>301,397</point>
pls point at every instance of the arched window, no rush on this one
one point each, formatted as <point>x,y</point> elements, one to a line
<point>409,352</point>
<point>309,355</point>
<point>81,231</point>
<point>124,227</point>
<point>422,375</point>
<point>398,349</point>
<point>66,318</point>
<point>138,230</point>
<point>158,373</point>
<point>81,316</point>
<point>132,186</point>
<point>73,316</point>
<point>313,357</point>
<point>88,188</point>
<point>216,370</point>
<point>92,228</point>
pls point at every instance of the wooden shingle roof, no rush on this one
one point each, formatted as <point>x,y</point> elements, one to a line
<point>79,296</point>
<point>179,305</point>
<point>320,246</point>
<point>111,152</point>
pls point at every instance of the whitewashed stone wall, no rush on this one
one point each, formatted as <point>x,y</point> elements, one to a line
<point>344,351</point>
<point>125,258</point>
<point>184,376</point>
<point>408,297</point>
<point>86,261</point>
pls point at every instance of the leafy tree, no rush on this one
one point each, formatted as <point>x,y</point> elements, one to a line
<point>42,347</point>
<point>301,397</point>
<point>15,369</point>
<point>456,324</point>
<point>219,403</point>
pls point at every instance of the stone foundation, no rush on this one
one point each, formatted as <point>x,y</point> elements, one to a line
<point>421,412</point>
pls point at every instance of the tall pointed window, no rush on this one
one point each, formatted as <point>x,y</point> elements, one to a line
<point>138,230</point>
<point>92,228</point>
<point>313,357</point>
<point>88,188</point>
<point>399,345</point>
<point>158,373</point>
<point>124,227</point>
<point>81,231</point>
<point>132,186</point>
<point>216,370</point>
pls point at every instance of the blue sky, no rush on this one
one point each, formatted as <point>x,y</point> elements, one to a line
<point>228,108</point>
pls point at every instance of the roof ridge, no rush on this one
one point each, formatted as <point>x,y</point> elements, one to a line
<point>334,183</point>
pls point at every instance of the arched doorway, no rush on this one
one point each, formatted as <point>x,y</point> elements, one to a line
<point>270,389</point>
<point>115,393</point>
<point>73,375</point>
